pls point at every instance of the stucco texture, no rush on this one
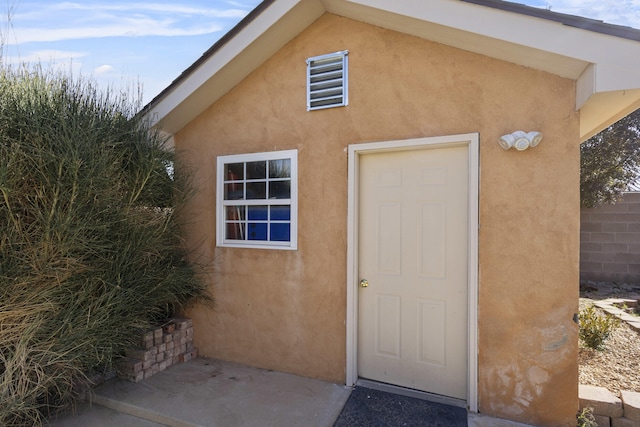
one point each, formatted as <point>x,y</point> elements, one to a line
<point>285,310</point>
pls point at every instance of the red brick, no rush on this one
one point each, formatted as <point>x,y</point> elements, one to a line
<point>623,422</point>
<point>141,354</point>
<point>602,421</point>
<point>129,366</point>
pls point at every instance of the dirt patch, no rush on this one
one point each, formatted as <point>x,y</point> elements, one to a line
<point>617,367</point>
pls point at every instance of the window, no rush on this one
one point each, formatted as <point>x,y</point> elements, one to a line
<point>327,81</point>
<point>257,200</point>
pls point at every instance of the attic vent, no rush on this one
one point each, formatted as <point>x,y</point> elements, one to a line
<point>327,81</point>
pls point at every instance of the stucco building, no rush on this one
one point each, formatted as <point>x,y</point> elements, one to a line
<point>356,207</point>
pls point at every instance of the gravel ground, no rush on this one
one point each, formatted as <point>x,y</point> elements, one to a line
<point>617,367</point>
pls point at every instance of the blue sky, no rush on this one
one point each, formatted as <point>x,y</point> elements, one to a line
<point>150,42</point>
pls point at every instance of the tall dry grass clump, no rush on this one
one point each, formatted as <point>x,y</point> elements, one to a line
<point>90,247</point>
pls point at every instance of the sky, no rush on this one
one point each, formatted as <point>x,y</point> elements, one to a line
<point>146,44</point>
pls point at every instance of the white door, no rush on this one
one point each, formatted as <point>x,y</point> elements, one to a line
<point>413,254</point>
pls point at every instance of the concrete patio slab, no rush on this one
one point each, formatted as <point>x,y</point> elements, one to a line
<point>100,416</point>
<point>207,392</point>
<point>479,420</point>
<point>212,393</point>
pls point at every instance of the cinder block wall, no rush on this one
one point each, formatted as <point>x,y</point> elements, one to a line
<point>610,241</point>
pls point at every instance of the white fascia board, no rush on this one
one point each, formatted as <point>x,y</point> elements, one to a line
<point>605,93</point>
<point>234,61</point>
<point>597,62</point>
<point>606,68</point>
<point>523,30</point>
<point>605,108</point>
<point>526,40</point>
<point>433,21</point>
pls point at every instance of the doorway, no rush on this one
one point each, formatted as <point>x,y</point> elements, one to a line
<point>412,288</point>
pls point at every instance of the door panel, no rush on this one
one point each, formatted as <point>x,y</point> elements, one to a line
<point>413,227</point>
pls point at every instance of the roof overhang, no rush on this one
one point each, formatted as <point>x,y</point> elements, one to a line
<point>603,59</point>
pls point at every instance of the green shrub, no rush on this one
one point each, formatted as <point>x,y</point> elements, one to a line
<point>90,245</point>
<point>586,418</point>
<point>596,328</point>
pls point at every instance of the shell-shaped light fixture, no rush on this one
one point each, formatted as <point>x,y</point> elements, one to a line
<point>520,140</point>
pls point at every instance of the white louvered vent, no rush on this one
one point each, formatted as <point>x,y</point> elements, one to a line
<point>327,81</point>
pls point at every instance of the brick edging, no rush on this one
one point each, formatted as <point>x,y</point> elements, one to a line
<point>159,348</point>
<point>608,409</point>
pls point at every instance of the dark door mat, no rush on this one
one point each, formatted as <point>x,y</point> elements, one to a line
<point>373,408</point>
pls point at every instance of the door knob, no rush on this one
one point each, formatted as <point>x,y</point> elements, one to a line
<point>364,283</point>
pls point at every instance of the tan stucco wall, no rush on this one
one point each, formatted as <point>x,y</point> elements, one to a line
<point>285,310</point>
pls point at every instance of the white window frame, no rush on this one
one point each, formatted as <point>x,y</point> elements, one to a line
<point>221,204</point>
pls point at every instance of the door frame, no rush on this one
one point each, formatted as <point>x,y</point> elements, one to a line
<point>470,140</point>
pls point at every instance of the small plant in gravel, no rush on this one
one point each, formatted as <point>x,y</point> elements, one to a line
<point>586,418</point>
<point>595,328</point>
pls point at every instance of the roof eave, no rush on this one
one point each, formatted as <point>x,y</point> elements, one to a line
<point>255,39</point>
<point>540,39</point>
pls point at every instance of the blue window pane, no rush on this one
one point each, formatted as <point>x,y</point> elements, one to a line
<point>257,213</point>
<point>257,231</point>
<point>280,213</point>
<point>280,232</point>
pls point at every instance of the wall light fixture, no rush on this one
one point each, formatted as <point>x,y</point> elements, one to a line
<point>520,140</point>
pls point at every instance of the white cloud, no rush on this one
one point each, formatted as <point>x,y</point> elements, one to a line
<point>50,22</point>
<point>620,12</point>
<point>103,69</point>
<point>49,56</point>
<point>171,9</point>
<point>129,28</point>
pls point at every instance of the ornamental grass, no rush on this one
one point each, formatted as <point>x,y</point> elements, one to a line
<point>90,247</point>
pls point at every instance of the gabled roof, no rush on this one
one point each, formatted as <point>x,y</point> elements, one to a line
<point>603,59</point>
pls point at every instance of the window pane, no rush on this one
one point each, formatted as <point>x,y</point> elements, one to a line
<point>233,171</point>
<point>280,168</point>
<point>256,190</point>
<point>235,213</point>
<point>234,191</point>
<point>280,232</point>
<point>280,213</point>
<point>280,189</point>
<point>257,200</point>
<point>257,170</point>
<point>257,231</point>
<point>235,231</point>
<point>257,213</point>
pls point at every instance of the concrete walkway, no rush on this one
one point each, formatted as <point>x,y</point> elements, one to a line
<point>212,393</point>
